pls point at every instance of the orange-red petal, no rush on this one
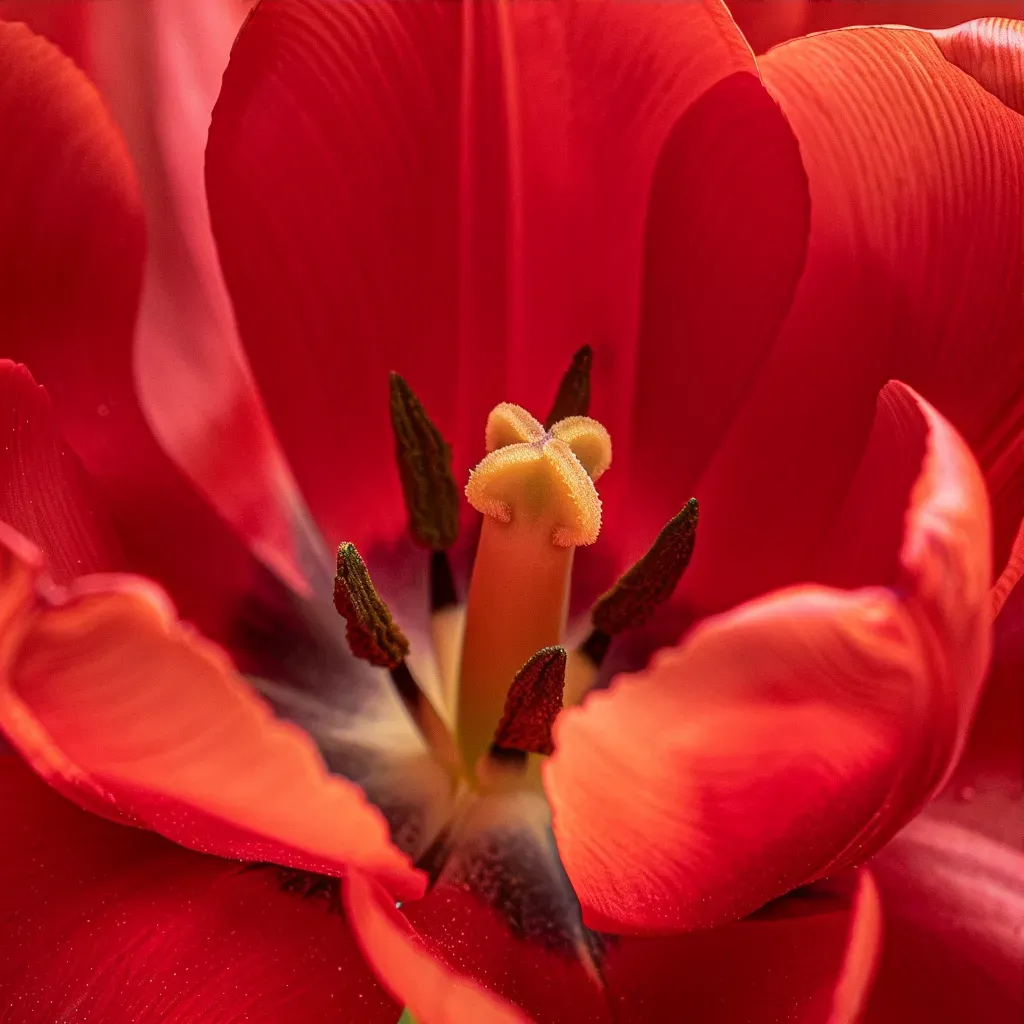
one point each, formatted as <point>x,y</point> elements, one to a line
<point>114,924</point>
<point>130,713</point>
<point>789,737</point>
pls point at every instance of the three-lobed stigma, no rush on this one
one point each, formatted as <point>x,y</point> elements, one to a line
<point>545,477</point>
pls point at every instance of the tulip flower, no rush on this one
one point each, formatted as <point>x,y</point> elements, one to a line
<point>616,263</point>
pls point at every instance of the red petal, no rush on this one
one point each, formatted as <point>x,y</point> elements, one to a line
<point>71,250</point>
<point>914,271</point>
<point>108,923</point>
<point>1011,574</point>
<point>63,23</point>
<point>989,50</point>
<point>426,187</point>
<point>809,958</point>
<point>45,494</point>
<point>130,713</point>
<point>800,959</point>
<point>954,915</point>
<point>787,738</point>
<point>433,993</point>
<point>726,240</point>
<point>71,243</point>
<point>193,380</point>
<point>986,790</point>
<point>826,14</point>
<point>766,24</point>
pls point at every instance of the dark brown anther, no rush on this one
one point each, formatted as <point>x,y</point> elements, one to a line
<point>573,398</point>
<point>532,705</point>
<point>372,633</point>
<point>651,581</point>
<point>425,468</point>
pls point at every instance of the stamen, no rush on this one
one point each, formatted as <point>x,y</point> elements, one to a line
<point>532,705</point>
<point>372,633</point>
<point>634,598</point>
<point>539,503</point>
<point>651,581</point>
<point>432,504</point>
<point>573,398</point>
<point>374,636</point>
<point>425,468</point>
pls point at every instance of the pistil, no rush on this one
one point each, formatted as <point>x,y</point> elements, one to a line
<point>535,489</point>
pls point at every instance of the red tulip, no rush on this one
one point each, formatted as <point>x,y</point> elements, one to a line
<point>801,279</point>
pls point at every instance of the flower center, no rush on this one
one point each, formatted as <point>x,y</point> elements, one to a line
<point>500,658</point>
<point>536,491</point>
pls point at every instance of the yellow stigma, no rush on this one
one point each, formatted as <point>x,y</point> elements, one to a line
<point>542,478</point>
<point>536,491</point>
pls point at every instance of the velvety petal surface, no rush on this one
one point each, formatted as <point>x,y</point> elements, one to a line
<point>103,922</point>
<point>808,958</point>
<point>131,714</point>
<point>500,919</point>
<point>502,912</point>
<point>45,495</point>
<point>795,734</point>
<point>427,187</point>
<point>954,914</point>
<point>433,994</point>
<point>914,271</point>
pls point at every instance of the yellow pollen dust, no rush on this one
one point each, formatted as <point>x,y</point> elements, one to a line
<point>536,491</point>
<point>535,476</point>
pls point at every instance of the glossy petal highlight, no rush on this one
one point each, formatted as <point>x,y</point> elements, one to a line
<point>127,711</point>
<point>788,738</point>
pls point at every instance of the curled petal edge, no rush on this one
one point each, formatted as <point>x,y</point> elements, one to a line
<point>134,716</point>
